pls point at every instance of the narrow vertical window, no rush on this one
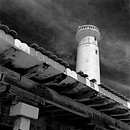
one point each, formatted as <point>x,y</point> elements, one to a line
<point>96,52</point>
<point>95,38</point>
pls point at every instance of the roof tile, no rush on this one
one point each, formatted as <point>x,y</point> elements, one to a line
<point>4,28</point>
<point>35,46</point>
<point>8,31</point>
<point>13,33</point>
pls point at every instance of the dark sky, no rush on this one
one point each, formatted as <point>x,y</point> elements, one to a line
<point>53,24</point>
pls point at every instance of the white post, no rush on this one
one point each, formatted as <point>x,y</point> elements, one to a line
<point>24,112</point>
<point>22,123</point>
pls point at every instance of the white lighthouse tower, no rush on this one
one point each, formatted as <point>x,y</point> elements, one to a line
<point>88,51</point>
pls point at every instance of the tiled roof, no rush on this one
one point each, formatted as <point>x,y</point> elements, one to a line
<point>49,54</point>
<point>26,48</point>
<point>8,31</point>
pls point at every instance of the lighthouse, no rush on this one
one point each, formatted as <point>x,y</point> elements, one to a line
<point>88,37</point>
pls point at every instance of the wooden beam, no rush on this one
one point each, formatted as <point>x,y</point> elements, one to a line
<point>109,109</point>
<point>115,110</point>
<point>26,95</point>
<point>121,116</point>
<point>61,101</point>
<point>84,95</point>
<point>55,79</point>
<point>94,100</point>
<point>114,128</point>
<point>35,70</point>
<point>126,120</point>
<point>68,89</point>
<point>18,98</point>
<point>100,128</point>
<point>106,105</point>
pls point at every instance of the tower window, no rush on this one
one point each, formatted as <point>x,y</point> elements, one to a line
<point>95,38</point>
<point>96,52</point>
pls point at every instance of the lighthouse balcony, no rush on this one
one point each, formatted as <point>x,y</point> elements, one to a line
<point>84,27</point>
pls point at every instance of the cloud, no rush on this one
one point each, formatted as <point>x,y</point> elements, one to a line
<point>116,55</point>
<point>119,87</point>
